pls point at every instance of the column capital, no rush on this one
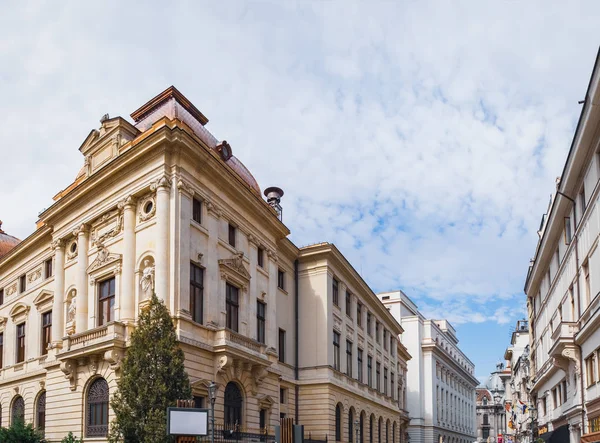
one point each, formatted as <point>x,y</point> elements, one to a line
<point>213,209</point>
<point>163,182</point>
<point>253,241</point>
<point>128,202</point>
<point>185,188</point>
<point>272,254</point>
<point>81,230</point>
<point>59,243</point>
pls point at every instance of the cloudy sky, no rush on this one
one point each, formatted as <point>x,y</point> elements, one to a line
<point>422,138</point>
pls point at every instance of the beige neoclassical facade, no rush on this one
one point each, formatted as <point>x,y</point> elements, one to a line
<point>162,206</point>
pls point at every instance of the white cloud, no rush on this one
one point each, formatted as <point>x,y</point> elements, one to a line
<point>423,140</point>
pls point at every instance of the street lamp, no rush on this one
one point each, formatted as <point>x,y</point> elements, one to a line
<point>356,423</point>
<point>212,394</point>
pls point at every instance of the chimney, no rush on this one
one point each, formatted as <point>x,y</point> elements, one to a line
<point>274,195</point>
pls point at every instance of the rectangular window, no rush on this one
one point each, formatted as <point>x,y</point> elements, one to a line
<point>554,399</point>
<point>48,268</point>
<point>370,371</point>
<point>586,275</point>
<point>359,365</point>
<point>348,304</point>
<point>378,376</point>
<point>231,231</point>
<point>21,343</point>
<point>385,381</point>
<point>232,307</point>
<point>377,331</point>
<point>385,343</point>
<point>568,233</point>
<point>46,331</point>
<point>392,384</point>
<point>260,321</point>
<point>199,402</point>
<point>1,296</point>
<point>22,284</point>
<point>1,350</point>
<point>544,406</point>
<point>282,395</point>
<point>589,369</point>
<point>106,301</point>
<point>260,257</point>
<point>392,345</point>
<point>358,314</point>
<point>197,211</point>
<point>336,351</point>
<point>262,418</point>
<point>582,200</point>
<point>281,345</point>
<point>348,358</point>
<point>197,293</point>
<point>281,279</point>
<point>369,323</point>
<point>334,291</point>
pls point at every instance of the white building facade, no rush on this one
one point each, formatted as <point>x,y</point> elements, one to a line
<point>562,289</point>
<point>441,381</point>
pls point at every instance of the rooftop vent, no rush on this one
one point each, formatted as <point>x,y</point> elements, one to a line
<point>274,195</point>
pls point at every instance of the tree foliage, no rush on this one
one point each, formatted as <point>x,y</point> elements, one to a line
<point>152,378</point>
<point>20,432</point>
<point>71,439</point>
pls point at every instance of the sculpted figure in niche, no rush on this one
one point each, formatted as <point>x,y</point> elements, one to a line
<point>72,309</point>
<point>147,280</point>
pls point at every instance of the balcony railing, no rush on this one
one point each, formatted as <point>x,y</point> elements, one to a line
<point>227,336</point>
<point>114,330</point>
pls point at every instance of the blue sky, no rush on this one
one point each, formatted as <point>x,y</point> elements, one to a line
<point>423,138</point>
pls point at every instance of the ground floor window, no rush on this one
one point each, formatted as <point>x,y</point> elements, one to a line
<point>97,409</point>
<point>18,409</point>
<point>41,412</point>
<point>233,405</point>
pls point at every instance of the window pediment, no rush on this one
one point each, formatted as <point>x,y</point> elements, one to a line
<point>233,269</point>
<point>266,402</point>
<point>19,312</point>
<point>104,259</point>
<point>44,299</point>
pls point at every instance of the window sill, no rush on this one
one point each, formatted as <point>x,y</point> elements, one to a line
<point>198,226</point>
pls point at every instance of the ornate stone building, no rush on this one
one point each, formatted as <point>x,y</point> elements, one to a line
<point>563,287</point>
<point>491,406</point>
<point>161,205</point>
<point>441,380</point>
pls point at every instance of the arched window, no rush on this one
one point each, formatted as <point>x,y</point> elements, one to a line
<point>233,405</point>
<point>371,428</point>
<point>484,401</point>
<point>40,412</point>
<point>362,428</point>
<point>387,431</point>
<point>18,410</point>
<point>351,425</point>
<point>338,422</point>
<point>379,428</point>
<point>394,433</point>
<point>97,409</point>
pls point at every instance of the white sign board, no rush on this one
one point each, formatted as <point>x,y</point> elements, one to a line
<point>184,421</point>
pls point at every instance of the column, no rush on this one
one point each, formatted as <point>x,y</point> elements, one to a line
<point>127,295</point>
<point>81,316</point>
<point>162,187</point>
<point>272,331</point>
<point>215,300</point>
<point>58,305</point>
<point>184,254</point>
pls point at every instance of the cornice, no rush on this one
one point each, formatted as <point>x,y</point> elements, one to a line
<point>23,247</point>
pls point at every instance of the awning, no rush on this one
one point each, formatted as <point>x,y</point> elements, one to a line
<point>559,435</point>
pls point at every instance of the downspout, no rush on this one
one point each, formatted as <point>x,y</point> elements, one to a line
<point>297,339</point>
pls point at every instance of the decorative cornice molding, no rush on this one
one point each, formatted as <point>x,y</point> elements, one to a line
<point>185,188</point>
<point>213,209</point>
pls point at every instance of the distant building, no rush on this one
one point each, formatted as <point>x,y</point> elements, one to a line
<point>491,406</point>
<point>441,380</point>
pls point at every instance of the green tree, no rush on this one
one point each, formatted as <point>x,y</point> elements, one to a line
<point>152,378</point>
<point>71,439</point>
<point>20,432</point>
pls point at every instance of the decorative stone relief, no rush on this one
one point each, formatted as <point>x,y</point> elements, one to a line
<point>213,209</point>
<point>337,324</point>
<point>71,311</point>
<point>114,358</point>
<point>147,278</point>
<point>162,182</point>
<point>234,269</point>
<point>93,364</point>
<point>72,249</point>
<point>107,226</point>
<point>147,207</point>
<point>11,289</point>
<point>103,258</point>
<point>185,187</point>
<point>34,275</point>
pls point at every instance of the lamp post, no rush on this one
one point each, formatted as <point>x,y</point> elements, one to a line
<point>356,424</point>
<point>212,393</point>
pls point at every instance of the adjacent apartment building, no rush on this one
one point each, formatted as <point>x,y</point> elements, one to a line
<point>160,205</point>
<point>441,379</point>
<point>562,289</point>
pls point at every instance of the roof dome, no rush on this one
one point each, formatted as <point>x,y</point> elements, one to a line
<point>7,242</point>
<point>494,383</point>
<point>243,172</point>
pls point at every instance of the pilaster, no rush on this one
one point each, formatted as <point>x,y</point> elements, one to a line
<point>127,293</point>
<point>162,187</point>
<point>58,305</point>
<point>81,317</point>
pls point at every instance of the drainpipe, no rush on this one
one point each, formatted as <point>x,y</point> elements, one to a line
<point>297,338</point>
